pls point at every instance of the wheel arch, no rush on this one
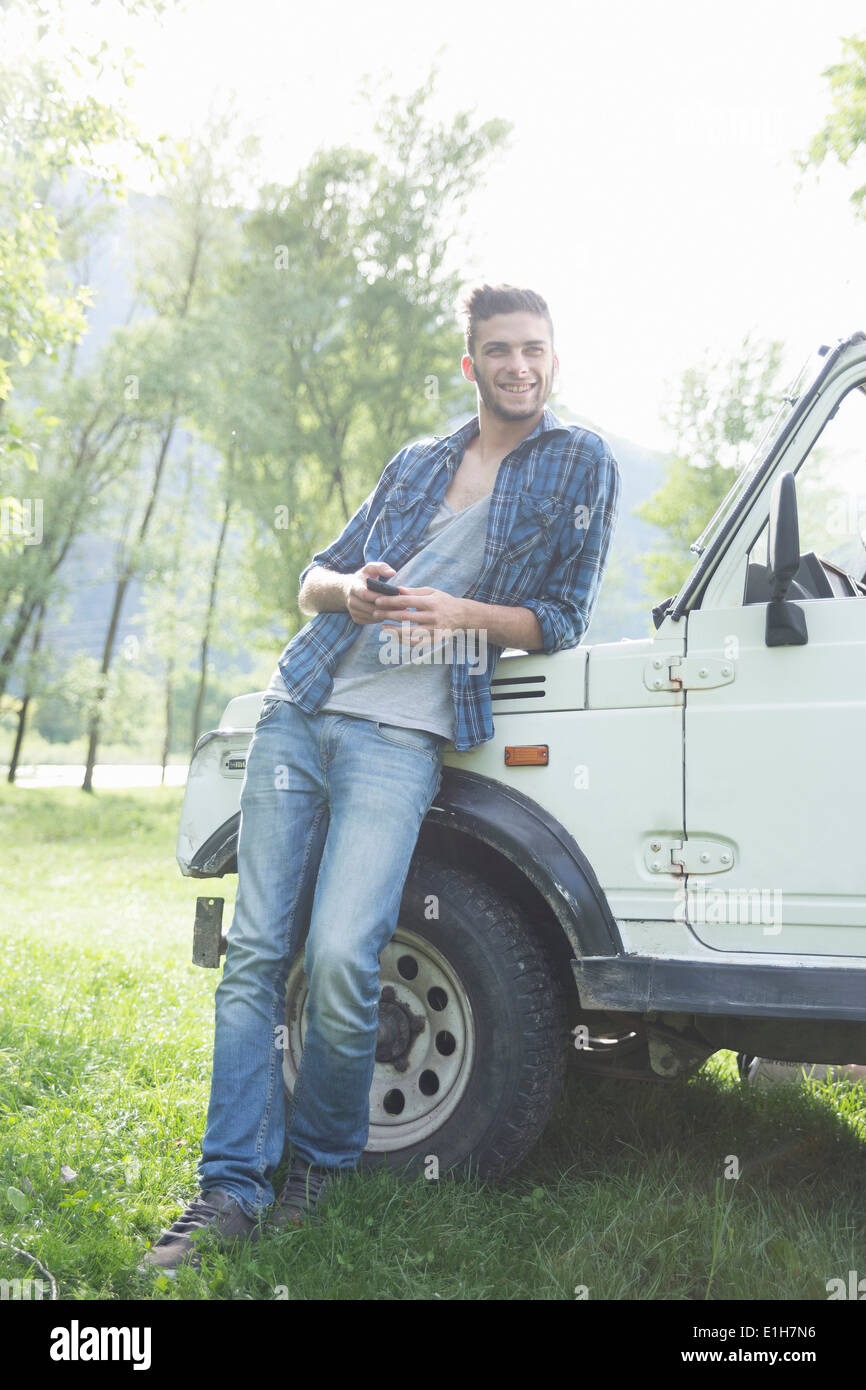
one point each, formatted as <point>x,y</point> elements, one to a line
<point>497,829</point>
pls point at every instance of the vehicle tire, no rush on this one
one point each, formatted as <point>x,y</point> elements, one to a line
<point>472,1030</point>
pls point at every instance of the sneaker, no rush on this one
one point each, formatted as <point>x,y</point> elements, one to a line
<point>303,1194</point>
<point>766,1071</point>
<point>213,1209</point>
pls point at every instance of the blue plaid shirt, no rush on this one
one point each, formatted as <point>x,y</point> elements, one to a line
<point>552,516</point>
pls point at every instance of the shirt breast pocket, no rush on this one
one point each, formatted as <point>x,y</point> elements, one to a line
<point>401,507</point>
<point>534,529</point>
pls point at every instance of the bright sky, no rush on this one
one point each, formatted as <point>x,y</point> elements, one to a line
<point>650,191</point>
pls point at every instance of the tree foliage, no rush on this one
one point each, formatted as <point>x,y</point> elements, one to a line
<point>293,347</point>
<point>843,134</point>
<point>336,341</point>
<point>51,124</point>
<point>717,417</point>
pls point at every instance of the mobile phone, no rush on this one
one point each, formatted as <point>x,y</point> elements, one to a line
<point>380,586</point>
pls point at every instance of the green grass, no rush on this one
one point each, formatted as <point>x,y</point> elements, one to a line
<point>105,1039</point>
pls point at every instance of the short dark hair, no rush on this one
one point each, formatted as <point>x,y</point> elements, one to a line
<point>483,301</point>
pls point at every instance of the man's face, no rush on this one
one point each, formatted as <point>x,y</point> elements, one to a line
<point>513,365</point>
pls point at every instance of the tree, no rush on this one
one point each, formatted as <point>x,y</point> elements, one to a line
<point>49,127</point>
<point>82,454</point>
<point>346,344</point>
<point>30,682</point>
<point>717,418</point>
<point>185,251</point>
<point>300,344</point>
<point>168,632</point>
<point>843,134</point>
<point>227,504</point>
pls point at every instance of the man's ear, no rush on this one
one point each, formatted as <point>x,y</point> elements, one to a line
<point>467,368</point>
<point>555,364</point>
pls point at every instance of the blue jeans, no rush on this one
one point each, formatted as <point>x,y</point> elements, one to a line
<point>331,807</point>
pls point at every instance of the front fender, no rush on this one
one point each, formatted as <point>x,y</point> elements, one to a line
<point>539,846</point>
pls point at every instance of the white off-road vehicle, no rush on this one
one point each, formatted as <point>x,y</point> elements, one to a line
<point>662,851</point>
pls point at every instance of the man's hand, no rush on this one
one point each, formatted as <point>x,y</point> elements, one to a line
<point>329,591</point>
<point>433,610</point>
<point>360,601</point>
<point>425,608</point>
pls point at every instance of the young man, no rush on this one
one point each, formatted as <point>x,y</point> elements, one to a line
<point>500,531</point>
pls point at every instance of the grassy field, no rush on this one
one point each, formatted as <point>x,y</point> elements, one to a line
<point>105,1044</point>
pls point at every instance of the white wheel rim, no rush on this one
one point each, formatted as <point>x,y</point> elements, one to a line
<point>406,1106</point>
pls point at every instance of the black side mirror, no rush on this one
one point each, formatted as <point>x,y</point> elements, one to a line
<point>786,621</point>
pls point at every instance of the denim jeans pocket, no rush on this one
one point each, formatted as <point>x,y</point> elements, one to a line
<point>417,740</point>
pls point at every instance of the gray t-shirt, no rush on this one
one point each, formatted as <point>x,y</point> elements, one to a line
<point>381,678</point>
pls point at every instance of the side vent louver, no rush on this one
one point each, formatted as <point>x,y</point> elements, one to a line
<point>517,688</point>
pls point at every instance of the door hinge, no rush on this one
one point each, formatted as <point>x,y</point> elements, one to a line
<point>692,856</point>
<point>687,672</point>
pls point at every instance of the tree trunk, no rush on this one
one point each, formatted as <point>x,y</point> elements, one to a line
<point>25,700</point>
<point>38,590</point>
<point>107,654</point>
<point>123,584</point>
<point>208,623</point>
<point>166,743</point>
<point>171,625</point>
<point>19,632</point>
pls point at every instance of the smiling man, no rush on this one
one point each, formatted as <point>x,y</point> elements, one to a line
<point>500,531</point>
<point>510,357</point>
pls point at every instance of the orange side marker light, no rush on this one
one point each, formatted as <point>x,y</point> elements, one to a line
<point>527,755</point>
